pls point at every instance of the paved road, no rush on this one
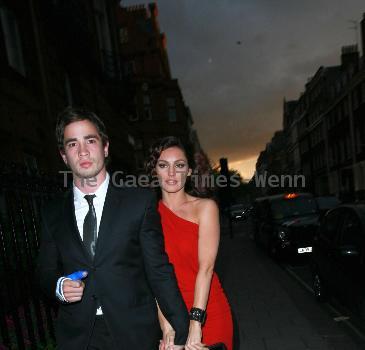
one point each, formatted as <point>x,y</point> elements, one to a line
<point>274,311</point>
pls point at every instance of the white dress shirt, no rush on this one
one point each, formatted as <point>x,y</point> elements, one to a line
<point>81,209</point>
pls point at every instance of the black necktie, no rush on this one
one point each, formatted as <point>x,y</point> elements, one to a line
<point>90,228</point>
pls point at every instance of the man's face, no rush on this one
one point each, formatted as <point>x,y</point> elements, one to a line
<point>84,152</point>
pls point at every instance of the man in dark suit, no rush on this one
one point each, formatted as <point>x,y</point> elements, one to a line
<point>115,235</point>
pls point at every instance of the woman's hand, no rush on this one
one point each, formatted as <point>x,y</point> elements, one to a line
<point>195,337</point>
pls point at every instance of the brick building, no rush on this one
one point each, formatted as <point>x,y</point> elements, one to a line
<point>154,101</point>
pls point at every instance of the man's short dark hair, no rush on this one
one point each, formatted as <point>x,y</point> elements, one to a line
<point>71,115</point>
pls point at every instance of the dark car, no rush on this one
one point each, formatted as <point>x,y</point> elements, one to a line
<point>337,262</point>
<point>326,203</point>
<point>238,212</point>
<point>285,224</point>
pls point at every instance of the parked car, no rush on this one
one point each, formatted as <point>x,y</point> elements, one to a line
<point>337,262</point>
<point>238,212</point>
<point>326,203</point>
<point>285,224</point>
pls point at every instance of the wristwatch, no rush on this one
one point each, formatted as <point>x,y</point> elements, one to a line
<point>197,314</point>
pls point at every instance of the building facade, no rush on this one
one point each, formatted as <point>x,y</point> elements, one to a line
<point>324,130</point>
<point>154,101</point>
<point>54,54</point>
<point>85,53</point>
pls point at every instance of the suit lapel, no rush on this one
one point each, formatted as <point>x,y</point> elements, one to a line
<point>69,214</point>
<point>111,204</point>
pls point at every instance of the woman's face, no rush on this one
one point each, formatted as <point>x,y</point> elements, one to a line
<point>172,169</point>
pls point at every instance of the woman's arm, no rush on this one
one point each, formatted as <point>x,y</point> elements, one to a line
<point>207,252</point>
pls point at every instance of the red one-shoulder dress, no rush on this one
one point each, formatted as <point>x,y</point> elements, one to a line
<point>181,244</point>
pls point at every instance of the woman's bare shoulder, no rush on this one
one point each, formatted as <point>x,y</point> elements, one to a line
<point>204,206</point>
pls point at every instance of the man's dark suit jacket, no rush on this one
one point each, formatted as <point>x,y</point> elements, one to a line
<point>129,271</point>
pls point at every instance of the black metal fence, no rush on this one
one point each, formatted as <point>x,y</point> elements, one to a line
<point>26,321</point>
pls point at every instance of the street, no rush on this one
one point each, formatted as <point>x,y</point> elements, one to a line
<point>274,304</point>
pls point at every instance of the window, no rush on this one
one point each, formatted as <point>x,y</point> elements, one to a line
<point>139,157</point>
<point>171,109</point>
<point>330,223</point>
<point>131,140</point>
<point>338,87</point>
<point>14,51</point>
<point>345,108</point>
<point>31,164</point>
<point>355,98</point>
<point>104,38</point>
<point>123,35</point>
<point>342,150</point>
<point>138,144</point>
<point>171,102</point>
<point>351,231</point>
<point>147,107</point>
<point>330,156</point>
<point>363,92</point>
<point>68,90</point>
<point>358,140</point>
<point>286,208</point>
<point>172,115</point>
<point>102,25</point>
<point>133,117</point>
<point>339,113</point>
<point>348,147</point>
<point>146,100</point>
<point>147,113</point>
<point>129,69</point>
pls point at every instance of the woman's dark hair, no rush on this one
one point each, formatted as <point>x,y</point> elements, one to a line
<point>71,115</point>
<point>193,182</point>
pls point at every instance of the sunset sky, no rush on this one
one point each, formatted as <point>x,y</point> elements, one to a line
<point>236,61</point>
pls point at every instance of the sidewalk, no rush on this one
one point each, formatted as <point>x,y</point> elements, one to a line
<point>270,316</point>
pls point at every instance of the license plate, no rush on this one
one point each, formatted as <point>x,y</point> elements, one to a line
<point>305,250</point>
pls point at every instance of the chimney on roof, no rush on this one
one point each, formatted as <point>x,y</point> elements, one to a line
<point>153,9</point>
<point>350,56</point>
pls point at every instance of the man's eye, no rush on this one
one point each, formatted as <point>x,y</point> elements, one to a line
<point>71,144</point>
<point>91,141</point>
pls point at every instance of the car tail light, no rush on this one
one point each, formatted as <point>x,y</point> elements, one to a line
<point>291,195</point>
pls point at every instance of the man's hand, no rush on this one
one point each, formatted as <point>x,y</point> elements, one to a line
<point>73,290</point>
<point>168,336</point>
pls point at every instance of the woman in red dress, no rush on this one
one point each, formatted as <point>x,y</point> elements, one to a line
<point>191,232</point>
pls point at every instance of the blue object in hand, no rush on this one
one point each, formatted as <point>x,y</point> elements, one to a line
<point>78,275</point>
